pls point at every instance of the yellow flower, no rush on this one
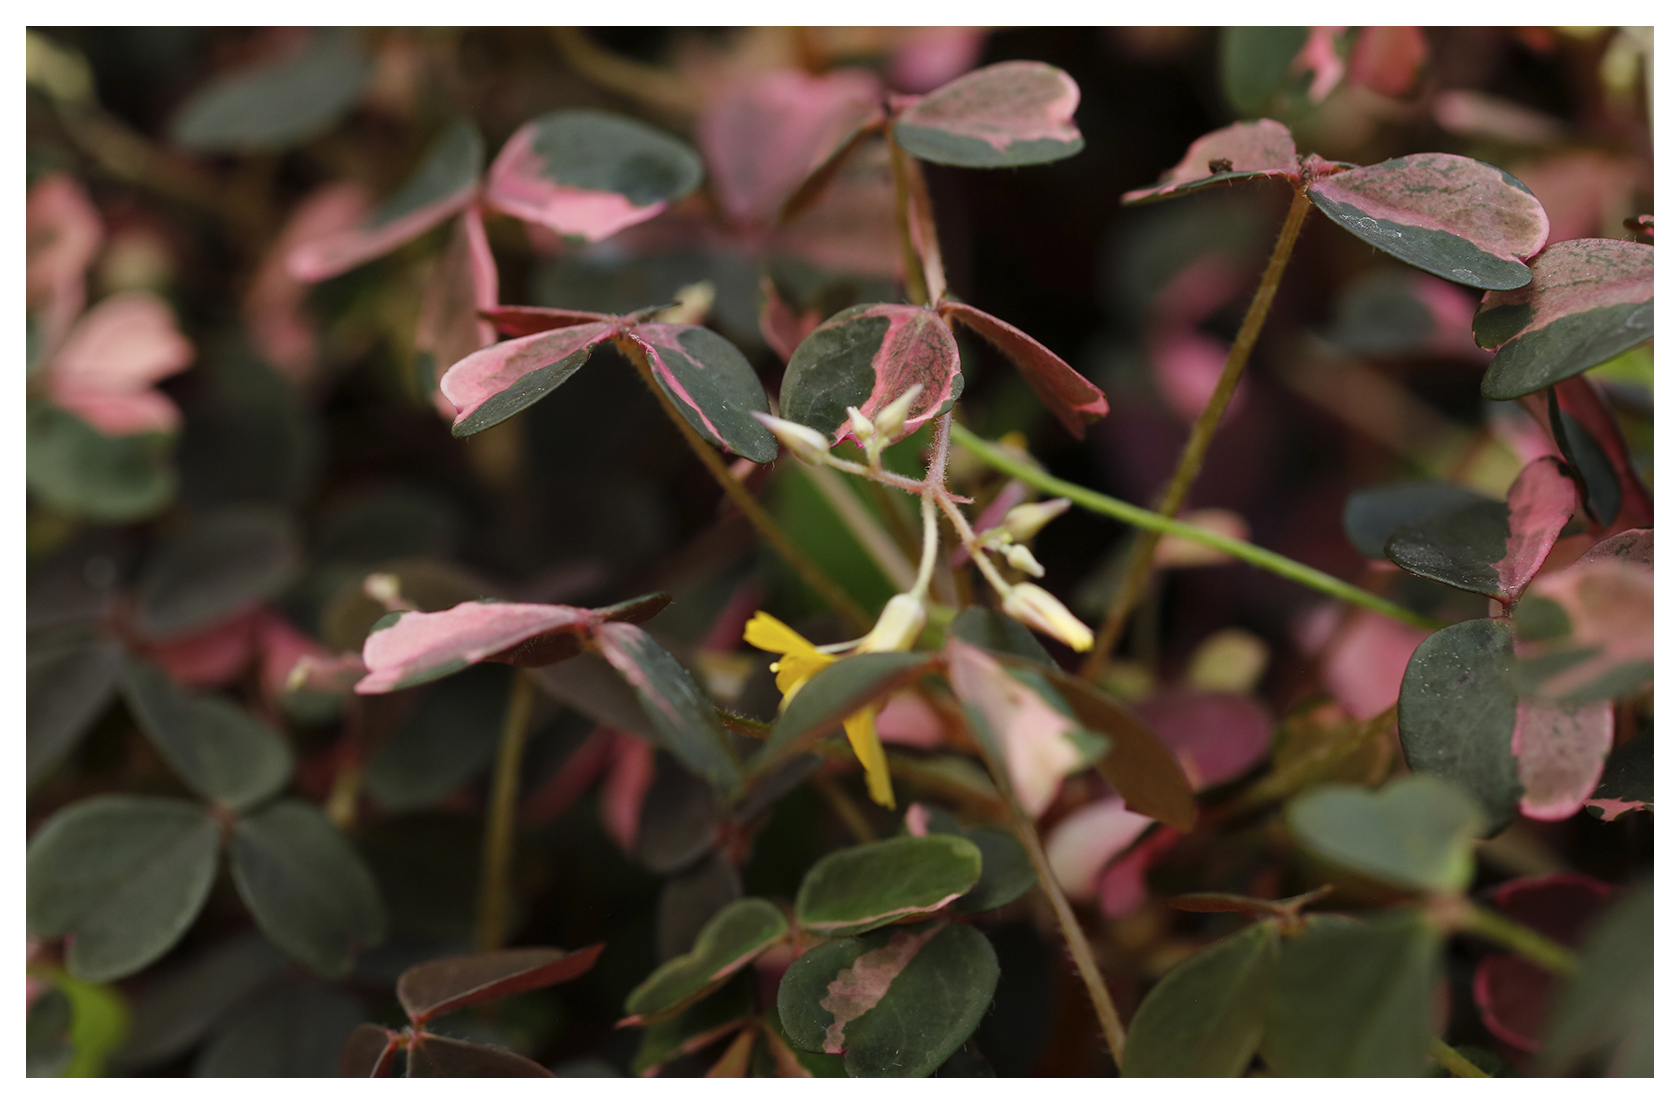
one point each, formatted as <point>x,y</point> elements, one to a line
<point>800,660</point>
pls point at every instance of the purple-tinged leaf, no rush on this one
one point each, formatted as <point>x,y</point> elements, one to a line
<point>1074,399</point>
<point>1591,299</point>
<point>1588,632</point>
<point>439,1056</point>
<point>461,287</point>
<point>1012,113</point>
<point>1084,841</point>
<point>525,321</point>
<point>1217,737</point>
<point>1236,152</point>
<point>1460,219</point>
<point>1492,548</point>
<point>369,1051</point>
<point>1123,888</point>
<point>863,888</point>
<point>1513,995</point>
<point>867,356</point>
<point>445,183</point>
<point>420,647</point>
<point>493,384</point>
<point>763,135</point>
<point>712,384</point>
<point>588,174</point>
<point>685,719</point>
<point>442,985</point>
<point>739,933</point>
<point>1560,752</point>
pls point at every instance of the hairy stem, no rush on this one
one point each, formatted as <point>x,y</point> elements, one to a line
<point>1474,919</point>
<point>499,821</point>
<point>817,579</point>
<point>1454,1062</point>
<point>1141,555</point>
<point>1150,521</point>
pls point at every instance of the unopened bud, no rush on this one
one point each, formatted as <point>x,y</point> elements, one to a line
<point>1022,559</point>
<point>899,625</point>
<point>386,589</point>
<point>801,440</point>
<point>889,421</point>
<point>1025,520</point>
<point>1038,609</point>
<point>862,428</point>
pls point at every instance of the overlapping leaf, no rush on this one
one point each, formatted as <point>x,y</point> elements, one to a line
<point>1415,832</point>
<point>1560,751</point>
<point>74,468</point>
<point>1457,710</point>
<point>447,740</point>
<point>1372,516</point>
<point>68,686</point>
<point>1009,114</point>
<point>838,691</point>
<point>1236,152</point>
<point>440,1056</point>
<point>1206,1017</point>
<point>867,356</point>
<point>493,384</point>
<point>712,384</point>
<point>219,749</point>
<point>223,564</point>
<point>730,940</point>
<point>462,285</point>
<point>1074,399</point>
<point>442,985</point>
<point>1588,631</point>
<point>1609,1006</point>
<point>862,888</point>
<point>294,1029</point>
<point>685,718</point>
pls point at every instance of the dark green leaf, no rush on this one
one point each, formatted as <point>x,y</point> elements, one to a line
<point>1457,712</point>
<point>69,684</point>
<point>689,899</point>
<point>1353,999</point>
<point>696,1027</point>
<point>306,886</point>
<point>728,942</point>
<point>989,629</point>
<point>1006,873</point>
<point>1609,1007</point>
<point>1205,1018</point>
<point>294,1030</point>
<point>712,384</point>
<point>867,356</point>
<point>178,1004</point>
<point>277,104</point>
<point>223,564</point>
<point>443,985</point>
<point>491,385</point>
<point>74,468</point>
<point>1254,63</point>
<point>1629,780</point>
<point>220,750</point>
<point>838,691</point>
<point>679,819</point>
<point>437,1056</point>
<point>685,718</point>
<point>1415,832</point>
<point>862,888</point>
<point>122,876</point>
<point>1004,115</point>
<point>1372,516</point>
<point>896,1003</point>
<point>445,743</point>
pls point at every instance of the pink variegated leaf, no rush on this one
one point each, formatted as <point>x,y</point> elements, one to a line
<point>1387,59</point>
<point>1320,57</point>
<point>1123,888</point>
<point>867,356</point>
<point>1366,663</point>
<point>420,647</point>
<point>764,134</point>
<point>588,174</point>
<point>1083,842</point>
<point>1560,752</point>
<point>492,385</point>
<point>462,286</point>
<point>1579,398</point>
<point>1012,113</point>
<point>1587,632</point>
<point>1514,995</point>
<point>1236,152</point>
<point>63,232</point>
<point>1591,299</point>
<point>712,384</point>
<point>927,57</point>
<point>274,307</point>
<point>1492,548</point>
<point>525,321</point>
<point>1074,399</point>
<point>445,182</point>
<point>105,369</point>
<point>1460,219</point>
<point>1217,737</point>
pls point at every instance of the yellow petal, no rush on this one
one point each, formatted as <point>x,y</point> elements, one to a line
<point>866,745</point>
<point>769,634</point>
<point>794,671</point>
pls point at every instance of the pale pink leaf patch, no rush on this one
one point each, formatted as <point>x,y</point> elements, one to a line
<point>909,721</point>
<point>1261,148</point>
<point>63,232</point>
<point>860,986</point>
<point>780,324</point>
<point>1571,277</point>
<point>1540,503</point>
<point>274,307</point>
<point>489,373</point>
<point>1611,606</point>
<point>1217,737</point>
<point>212,657</point>
<point>1074,399</point>
<point>421,643</point>
<point>1031,734</point>
<point>1387,59</point>
<point>625,789</point>
<point>462,286</point>
<point>1083,842</point>
<point>519,185</point>
<point>1180,551</point>
<point>1560,752</point>
<point>105,369</point>
<point>927,57</point>
<point>1319,57</point>
<point>1011,113</point>
<point>1122,889</point>
<point>1367,662</point>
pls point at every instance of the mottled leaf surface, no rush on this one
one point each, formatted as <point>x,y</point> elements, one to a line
<point>1591,298</point>
<point>685,718</point>
<point>420,647</point>
<point>729,941</point>
<point>712,385</point>
<point>862,888</point>
<point>1457,710</point>
<point>444,984</point>
<point>124,877</point>
<point>219,749</point>
<point>1012,113</point>
<point>1415,832</point>
<point>277,104</point>
<point>223,564</point>
<point>491,385</point>
<point>867,356</point>
<point>1236,152</point>
<point>1457,218</point>
<point>1205,1018</point>
<point>1560,752</point>
<point>1074,399</point>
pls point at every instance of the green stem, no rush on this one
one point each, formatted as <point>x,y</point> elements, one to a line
<point>892,561</point>
<point>1496,927</point>
<point>1456,1064</point>
<point>915,279</point>
<point>499,823</point>
<point>1158,523</point>
<point>1141,556</point>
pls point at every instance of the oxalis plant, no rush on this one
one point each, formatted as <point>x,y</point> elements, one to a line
<point>983,745</point>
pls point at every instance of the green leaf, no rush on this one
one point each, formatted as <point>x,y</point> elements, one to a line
<point>729,941</point>
<point>1353,998</point>
<point>865,887</point>
<point>1001,635</point>
<point>1629,780</point>
<point>697,1026</point>
<point>306,886</point>
<point>1002,116</point>
<point>838,691</point>
<point>712,385</point>
<point>686,719</point>
<point>275,105</point>
<point>296,1029</point>
<point>220,750</point>
<point>1006,872</point>
<point>122,876</point>
<point>68,687</point>
<point>896,1003</point>
<point>1205,1018</point>
<point>99,1021</point>
<point>1591,299</point>
<point>1608,1009</point>
<point>1415,832</point>
<point>446,742</point>
<point>868,356</point>
<point>1254,63</point>
<point>74,468</point>
<point>1457,712</point>
<point>223,564</point>
<point>179,1003</point>
<point>1371,516</point>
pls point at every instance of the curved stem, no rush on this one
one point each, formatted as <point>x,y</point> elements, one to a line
<point>814,576</point>
<point>1454,1062</point>
<point>499,820</point>
<point>1474,919</point>
<point>1141,556</point>
<point>1153,522</point>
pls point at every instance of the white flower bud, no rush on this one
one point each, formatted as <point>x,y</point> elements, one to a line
<point>862,428</point>
<point>1038,609</point>
<point>1025,520</point>
<point>900,624</point>
<point>801,440</point>
<point>1022,559</point>
<point>385,589</point>
<point>889,421</point>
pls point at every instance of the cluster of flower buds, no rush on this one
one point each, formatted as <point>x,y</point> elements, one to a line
<point>1038,609</point>
<point>1019,525</point>
<point>801,440</point>
<point>888,423</point>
